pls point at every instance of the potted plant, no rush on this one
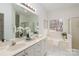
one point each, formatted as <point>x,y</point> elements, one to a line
<point>64,34</point>
<point>20,31</point>
<point>28,33</point>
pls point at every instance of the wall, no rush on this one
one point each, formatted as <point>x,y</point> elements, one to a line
<point>64,14</point>
<point>75,32</point>
<point>13,22</point>
<point>6,9</point>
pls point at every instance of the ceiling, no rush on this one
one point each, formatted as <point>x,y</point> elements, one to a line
<point>55,6</point>
<point>48,7</point>
<point>20,10</point>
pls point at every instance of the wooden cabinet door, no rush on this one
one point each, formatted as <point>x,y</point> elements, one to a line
<point>34,50</point>
<point>37,49</point>
<point>29,51</point>
<point>43,47</point>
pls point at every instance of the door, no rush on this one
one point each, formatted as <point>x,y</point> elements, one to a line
<point>17,20</point>
<point>1,26</point>
<point>75,32</point>
<point>17,23</point>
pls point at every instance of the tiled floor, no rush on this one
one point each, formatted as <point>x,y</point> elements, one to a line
<point>60,52</point>
<point>53,50</point>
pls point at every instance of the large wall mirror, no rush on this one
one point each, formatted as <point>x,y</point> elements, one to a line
<point>24,18</point>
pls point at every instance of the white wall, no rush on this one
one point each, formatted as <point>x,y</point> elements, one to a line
<point>8,18</point>
<point>13,22</point>
<point>64,14</point>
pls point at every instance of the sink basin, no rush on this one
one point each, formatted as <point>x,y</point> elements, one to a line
<point>20,44</point>
<point>16,46</point>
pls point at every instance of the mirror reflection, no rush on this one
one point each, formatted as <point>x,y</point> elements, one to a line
<point>26,23</point>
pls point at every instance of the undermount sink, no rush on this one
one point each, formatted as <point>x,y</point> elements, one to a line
<point>20,44</point>
<point>16,46</point>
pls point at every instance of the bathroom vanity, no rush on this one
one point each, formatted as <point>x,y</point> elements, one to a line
<point>22,18</point>
<point>34,47</point>
<point>37,49</point>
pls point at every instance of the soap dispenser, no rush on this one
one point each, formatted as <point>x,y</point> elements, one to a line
<point>28,32</point>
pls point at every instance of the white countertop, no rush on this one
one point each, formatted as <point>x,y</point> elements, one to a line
<point>20,46</point>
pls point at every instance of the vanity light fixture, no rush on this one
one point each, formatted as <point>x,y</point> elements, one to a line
<point>28,6</point>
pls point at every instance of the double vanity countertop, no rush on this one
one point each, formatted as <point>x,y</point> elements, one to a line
<point>21,44</point>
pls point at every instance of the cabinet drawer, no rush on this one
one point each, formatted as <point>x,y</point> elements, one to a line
<point>34,50</point>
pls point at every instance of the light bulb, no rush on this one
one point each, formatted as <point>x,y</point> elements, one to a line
<point>60,20</point>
